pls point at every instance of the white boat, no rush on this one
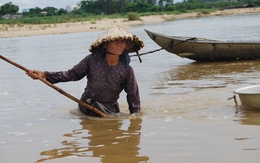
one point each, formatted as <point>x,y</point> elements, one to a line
<point>249,96</point>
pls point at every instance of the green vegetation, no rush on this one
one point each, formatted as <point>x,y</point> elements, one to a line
<point>133,16</point>
<point>8,8</point>
<point>93,10</point>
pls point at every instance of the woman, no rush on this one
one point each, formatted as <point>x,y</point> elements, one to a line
<point>107,71</point>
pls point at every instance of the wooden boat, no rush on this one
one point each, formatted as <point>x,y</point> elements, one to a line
<point>202,49</point>
<point>249,96</point>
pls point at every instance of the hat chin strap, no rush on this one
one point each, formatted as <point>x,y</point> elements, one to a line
<point>109,53</point>
<point>136,53</point>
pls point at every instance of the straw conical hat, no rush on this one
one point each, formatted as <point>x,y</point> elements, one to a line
<point>117,32</point>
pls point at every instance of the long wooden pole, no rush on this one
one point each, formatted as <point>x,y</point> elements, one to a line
<point>58,89</point>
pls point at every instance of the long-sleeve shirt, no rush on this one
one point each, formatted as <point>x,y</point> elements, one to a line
<point>104,83</point>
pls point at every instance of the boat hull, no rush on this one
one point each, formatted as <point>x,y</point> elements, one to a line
<point>249,96</point>
<point>201,49</point>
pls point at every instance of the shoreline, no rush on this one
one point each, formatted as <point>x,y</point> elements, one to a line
<point>7,31</point>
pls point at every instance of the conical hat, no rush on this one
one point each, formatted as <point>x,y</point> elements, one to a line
<point>117,32</point>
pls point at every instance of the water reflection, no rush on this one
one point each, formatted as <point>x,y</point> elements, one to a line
<point>200,70</point>
<point>204,75</point>
<point>110,140</point>
<point>247,117</point>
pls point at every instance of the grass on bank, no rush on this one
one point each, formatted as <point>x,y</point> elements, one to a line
<point>53,20</point>
<point>131,16</point>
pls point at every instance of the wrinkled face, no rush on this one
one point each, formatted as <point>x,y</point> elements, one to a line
<point>116,47</point>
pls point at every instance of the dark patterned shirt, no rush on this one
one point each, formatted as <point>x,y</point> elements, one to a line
<point>104,83</point>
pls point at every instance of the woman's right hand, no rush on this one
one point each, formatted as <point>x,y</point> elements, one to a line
<point>35,74</point>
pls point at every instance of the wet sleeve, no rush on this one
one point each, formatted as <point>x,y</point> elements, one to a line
<point>132,91</point>
<point>77,72</point>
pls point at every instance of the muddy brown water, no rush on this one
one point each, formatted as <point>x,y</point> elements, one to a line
<point>185,117</point>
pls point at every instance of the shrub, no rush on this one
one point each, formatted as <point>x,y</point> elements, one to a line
<point>171,8</point>
<point>204,12</point>
<point>132,16</point>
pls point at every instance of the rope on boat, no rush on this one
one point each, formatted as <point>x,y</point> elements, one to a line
<point>189,39</point>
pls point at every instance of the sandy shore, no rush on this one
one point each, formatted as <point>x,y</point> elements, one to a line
<point>7,31</point>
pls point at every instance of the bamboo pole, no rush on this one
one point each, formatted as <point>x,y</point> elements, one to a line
<point>58,89</point>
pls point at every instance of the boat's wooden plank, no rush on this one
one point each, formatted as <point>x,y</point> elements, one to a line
<point>202,49</point>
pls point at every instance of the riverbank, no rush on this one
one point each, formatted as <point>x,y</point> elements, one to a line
<point>7,31</point>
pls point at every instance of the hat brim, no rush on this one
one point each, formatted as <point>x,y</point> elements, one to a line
<point>133,44</point>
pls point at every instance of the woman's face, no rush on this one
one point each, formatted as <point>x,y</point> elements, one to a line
<point>116,47</point>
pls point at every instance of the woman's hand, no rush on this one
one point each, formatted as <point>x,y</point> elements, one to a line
<point>35,74</point>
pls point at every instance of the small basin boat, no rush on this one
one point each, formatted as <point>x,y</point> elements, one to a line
<point>249,96</point>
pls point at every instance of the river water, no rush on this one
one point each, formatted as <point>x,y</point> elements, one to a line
<point>186,116</point>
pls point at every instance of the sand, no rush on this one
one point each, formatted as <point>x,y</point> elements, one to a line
<point>7,31</point>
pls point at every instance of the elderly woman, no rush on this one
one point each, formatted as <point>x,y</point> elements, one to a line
<point>107,71</point>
